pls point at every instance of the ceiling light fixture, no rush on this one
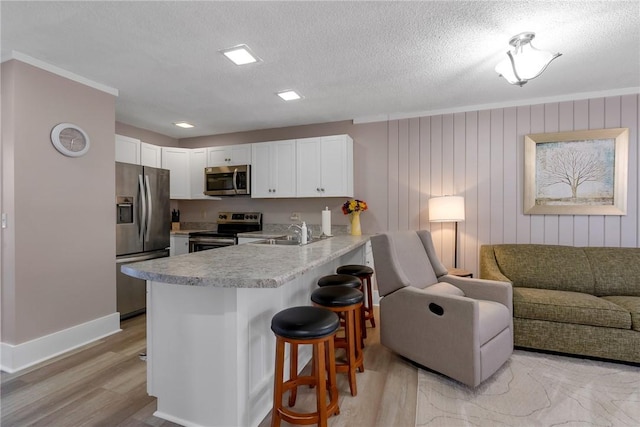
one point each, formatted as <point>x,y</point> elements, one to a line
<point>184,125</point>
<point>240,55</point>
<point>525,62</point>
<point>289,95</point>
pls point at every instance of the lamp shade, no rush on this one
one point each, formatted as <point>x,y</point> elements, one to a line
<point>446,209</point>
<point>525,62</point>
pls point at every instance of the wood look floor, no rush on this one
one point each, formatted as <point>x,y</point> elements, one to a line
<point>104,384</point>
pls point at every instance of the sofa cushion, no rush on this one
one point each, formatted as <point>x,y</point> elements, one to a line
<point>629,303</point>
<point>616,270</point>
<point>569,307</point>
<point>561,268</point>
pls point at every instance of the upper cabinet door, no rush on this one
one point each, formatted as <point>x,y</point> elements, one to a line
<point>127,149</point>
<point>229,155</point>
<point>273,169</point>
<point>325,166</point>
<point>177,161</point>
<point>337,166</point>
<point>197,163</point>
<point>150,155</point>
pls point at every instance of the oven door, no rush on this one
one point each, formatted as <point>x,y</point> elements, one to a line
<point>197,244</point>
<point>227,180</point>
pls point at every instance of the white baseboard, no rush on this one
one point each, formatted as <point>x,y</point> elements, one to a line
<point>20,356</point>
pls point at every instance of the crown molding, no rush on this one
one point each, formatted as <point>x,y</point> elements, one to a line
<point>18,56</point>
<point>518,103</point>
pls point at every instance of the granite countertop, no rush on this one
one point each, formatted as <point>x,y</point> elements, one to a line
<point>244,266</point>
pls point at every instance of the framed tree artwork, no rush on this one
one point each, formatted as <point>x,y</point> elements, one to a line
<point>576,173</point>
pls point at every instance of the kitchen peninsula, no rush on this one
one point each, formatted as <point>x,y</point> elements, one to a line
<point>210,348</point>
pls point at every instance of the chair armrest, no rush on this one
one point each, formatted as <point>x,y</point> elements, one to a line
<point>408,326</point>
<point>490,290</point>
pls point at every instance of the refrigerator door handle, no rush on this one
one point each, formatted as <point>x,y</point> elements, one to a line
<point>143,205</point>
<point>150,208</point>
<point>235,180</point>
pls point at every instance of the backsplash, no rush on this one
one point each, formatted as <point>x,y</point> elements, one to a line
<point>269,228</point>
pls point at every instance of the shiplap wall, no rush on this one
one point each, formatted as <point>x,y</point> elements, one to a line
<point>479,155</point>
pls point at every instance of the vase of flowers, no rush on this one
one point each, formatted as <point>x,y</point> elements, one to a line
<point>353,208</point>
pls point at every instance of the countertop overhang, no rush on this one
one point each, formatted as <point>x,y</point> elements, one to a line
<point>244,266</point>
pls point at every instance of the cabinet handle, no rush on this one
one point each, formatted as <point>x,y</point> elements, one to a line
<point>318,189</point>
<point>322,189</point>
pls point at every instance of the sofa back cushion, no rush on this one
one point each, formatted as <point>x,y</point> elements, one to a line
<point>616,270</point>
<point>561,268</point>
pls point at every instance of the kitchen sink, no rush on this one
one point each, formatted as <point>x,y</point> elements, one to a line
<point>285,241</point>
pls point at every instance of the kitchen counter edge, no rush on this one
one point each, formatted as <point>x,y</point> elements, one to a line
<point>226,267</point>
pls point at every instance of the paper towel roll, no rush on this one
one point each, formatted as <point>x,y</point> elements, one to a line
<point>326,222</point>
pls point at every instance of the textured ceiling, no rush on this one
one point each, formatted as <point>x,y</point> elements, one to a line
<point>349,60</point>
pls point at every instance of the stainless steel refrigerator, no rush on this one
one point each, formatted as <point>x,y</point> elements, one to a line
<point>143,225</point>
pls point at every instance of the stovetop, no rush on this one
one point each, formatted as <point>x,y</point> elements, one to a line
<point>232,223</point>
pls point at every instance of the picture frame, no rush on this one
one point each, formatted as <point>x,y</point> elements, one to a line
<point>576,173</point>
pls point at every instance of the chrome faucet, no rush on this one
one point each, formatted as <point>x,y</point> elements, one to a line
<point>298,231</point>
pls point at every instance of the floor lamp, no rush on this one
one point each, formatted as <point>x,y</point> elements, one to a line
<point>448,209</point>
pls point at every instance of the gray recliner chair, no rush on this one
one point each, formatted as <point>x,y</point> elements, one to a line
<point>460,327</point>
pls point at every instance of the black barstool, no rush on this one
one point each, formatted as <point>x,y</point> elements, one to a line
<point>305,325</point>
<point>347,302</point>
<point>340,280</point>
<point>364,273</point>
<point>352,282</point>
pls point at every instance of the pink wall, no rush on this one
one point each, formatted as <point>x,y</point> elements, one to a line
<point>400,164</point>
<point>58,251</point>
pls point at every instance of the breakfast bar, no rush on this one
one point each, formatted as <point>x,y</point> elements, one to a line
<point>210,349</point>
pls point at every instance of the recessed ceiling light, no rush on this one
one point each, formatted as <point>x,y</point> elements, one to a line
<point>240,55</point>
<point>289,95</point>
<point>184,125</point>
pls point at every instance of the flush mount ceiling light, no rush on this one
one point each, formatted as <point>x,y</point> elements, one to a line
<point>289,95</point>
<point>240,55</point>
<point>525,62</point>
<point>184,125</point>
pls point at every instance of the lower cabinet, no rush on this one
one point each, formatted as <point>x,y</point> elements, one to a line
<point>179,244</point>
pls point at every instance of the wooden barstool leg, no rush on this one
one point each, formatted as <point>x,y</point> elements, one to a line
<point>358,337</point>
<point>331,363</point>
<point>370,302</point>
<point>293,372</point>
<point>321,393</point>
<point>351,348</point>
<point>278,382</point>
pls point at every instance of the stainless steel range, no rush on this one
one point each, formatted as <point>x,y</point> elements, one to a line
<point>229,225</point>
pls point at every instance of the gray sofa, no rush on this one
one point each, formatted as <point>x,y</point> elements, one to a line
<point>576,300</point>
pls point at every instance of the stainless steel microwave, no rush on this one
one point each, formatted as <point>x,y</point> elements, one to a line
<point>227,180</point>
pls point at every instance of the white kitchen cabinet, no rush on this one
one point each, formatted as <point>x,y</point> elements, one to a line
<point>127,149</point>
<point>197,163</point>
<point>150,155</point>
<point>134,151</point>
<point>273,169</point>
<point>325,166</point>
<point>229,155</point>
<point>177,161</point>
<point>179,244</point>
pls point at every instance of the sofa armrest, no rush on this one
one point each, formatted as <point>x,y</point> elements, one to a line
<point>490,290</point>
<point>489,266</point>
